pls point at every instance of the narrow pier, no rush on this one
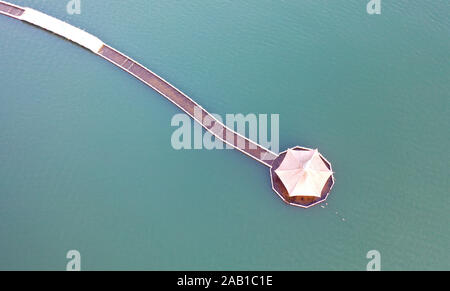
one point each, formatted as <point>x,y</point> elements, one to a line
<point>211,124</point>
<point>188,105</point>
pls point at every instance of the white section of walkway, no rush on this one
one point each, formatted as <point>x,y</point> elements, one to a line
<point>62,28</point>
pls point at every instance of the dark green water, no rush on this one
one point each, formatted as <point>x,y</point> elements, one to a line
<point>86,161</point>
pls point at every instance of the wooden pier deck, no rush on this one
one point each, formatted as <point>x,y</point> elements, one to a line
<point>194,110</point>
<point>11,10</point>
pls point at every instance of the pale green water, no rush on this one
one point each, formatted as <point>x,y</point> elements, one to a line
<point>86,161</point>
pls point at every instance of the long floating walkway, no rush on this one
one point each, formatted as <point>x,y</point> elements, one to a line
<point>94,44</point>
<point>300,176</point>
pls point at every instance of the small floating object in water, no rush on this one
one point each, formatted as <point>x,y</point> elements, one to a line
<point>300,176</point>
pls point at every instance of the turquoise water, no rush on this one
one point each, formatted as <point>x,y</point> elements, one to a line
<point>86,161</point>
